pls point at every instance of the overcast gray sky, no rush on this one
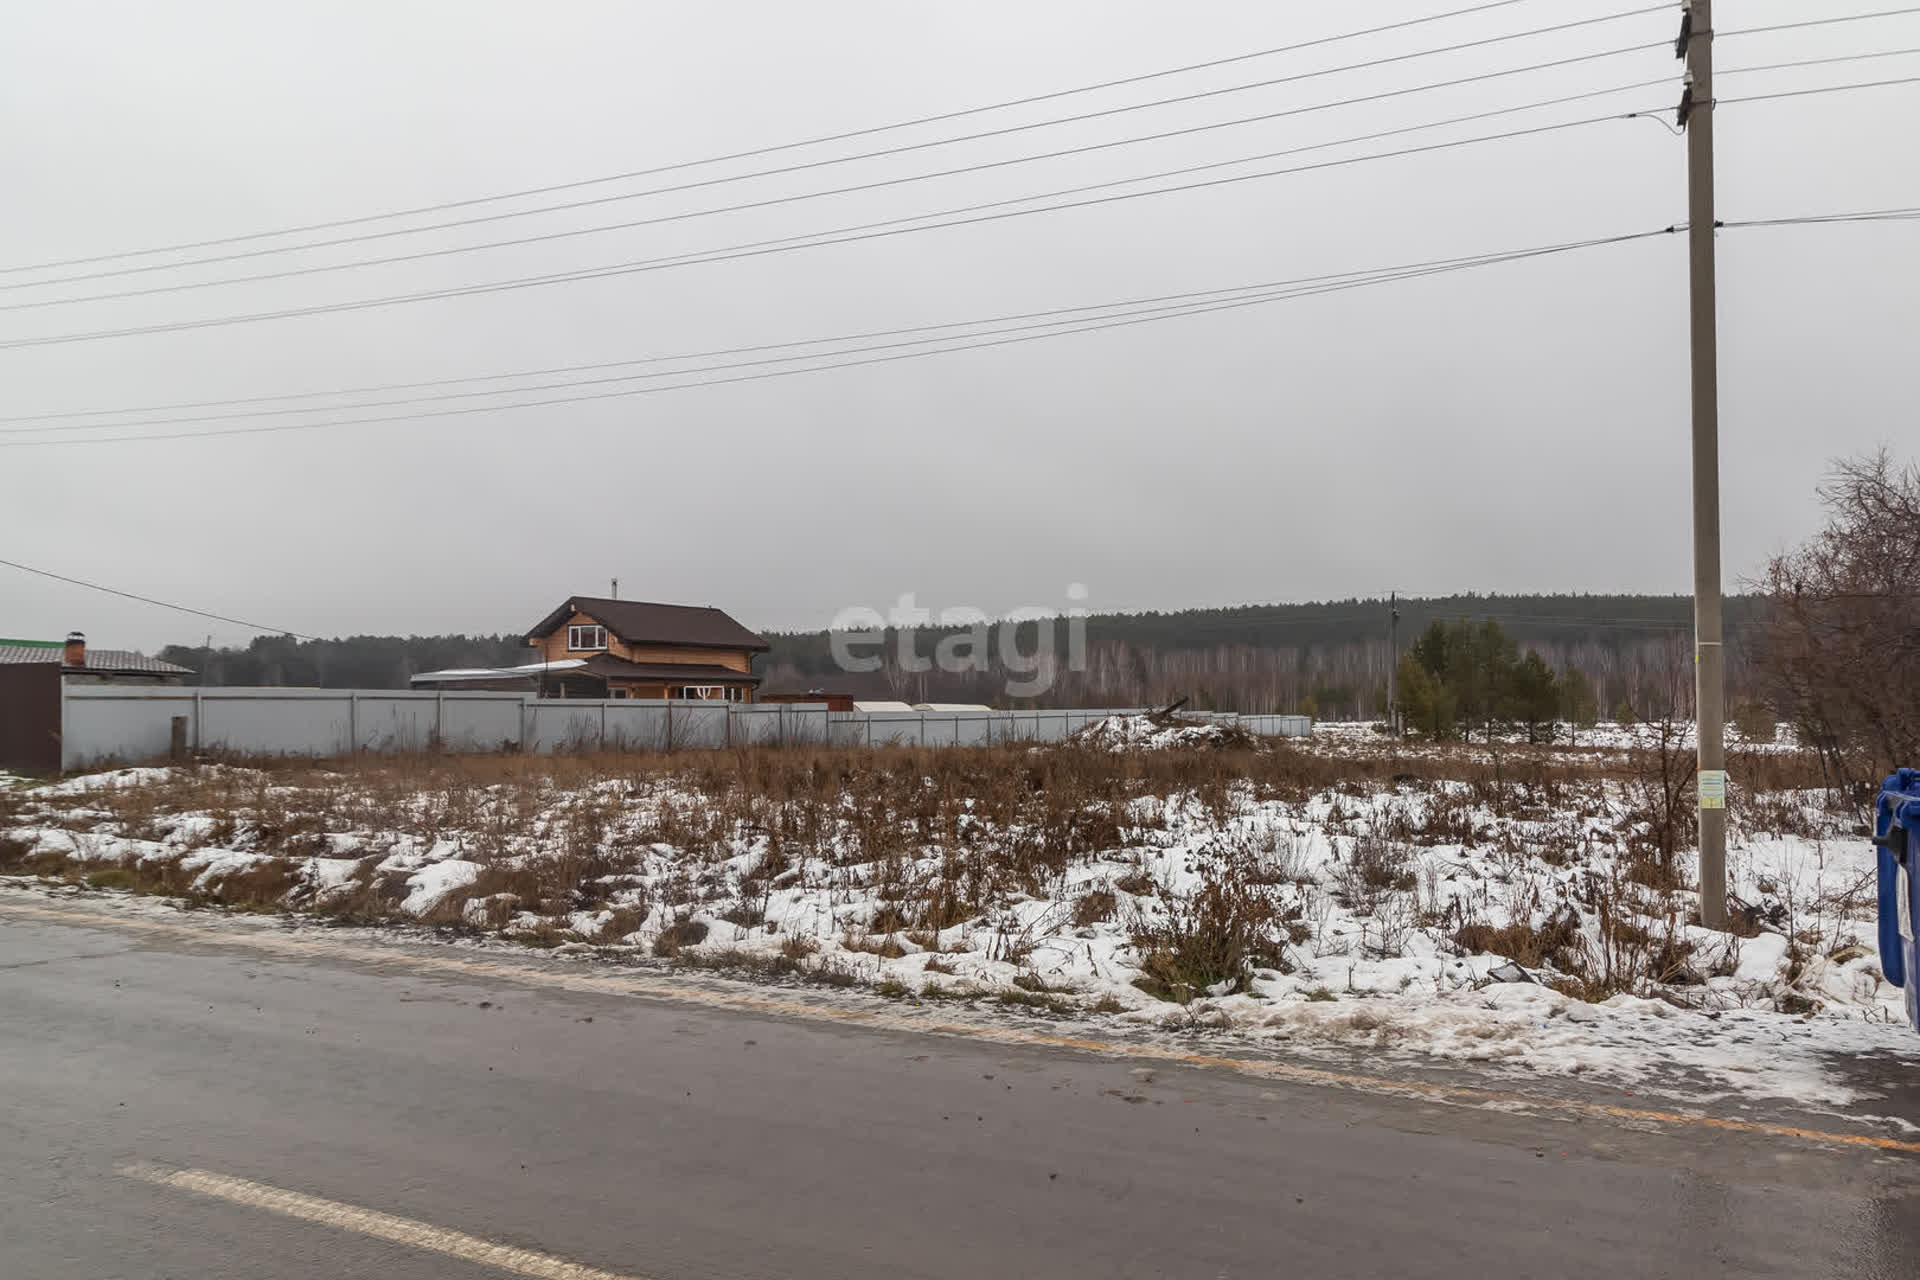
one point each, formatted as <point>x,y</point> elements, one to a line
<point>1518,427</point>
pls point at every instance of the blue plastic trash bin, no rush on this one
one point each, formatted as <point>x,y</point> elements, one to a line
<point>1896,831</point>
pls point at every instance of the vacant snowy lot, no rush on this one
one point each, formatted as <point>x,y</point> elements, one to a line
<point>1527,906</point>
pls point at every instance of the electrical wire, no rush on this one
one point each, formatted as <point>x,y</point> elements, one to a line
<point>1805,93</point>
<point>1209,301</point>
<point>1597,624</point>
<point>868,132</point>
<point>609,364</point>
<point>699,213</point>
<point>178,608</point>
<point>1271,291</point>
<point>870,231</point>
<point>1169,302</point>
<point>788,146</point>
<point>1816,62</point>
<point>918,146</point>
<point>617,364</point>
<point>1825,219</point>
<point>711,353</point>
<point>1380,276</point>
<point>773,201</point>
<point>1816,22</point>
<point>1309,286</point>
<point>1414,608</point>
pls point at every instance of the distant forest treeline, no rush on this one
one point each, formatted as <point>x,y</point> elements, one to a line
<point>1328,659</point>
<point>354,662</point>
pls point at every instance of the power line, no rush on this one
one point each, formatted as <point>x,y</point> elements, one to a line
<point>1174,301</point>
<point>869,231</point>
<point>861,336</point>
<point>772,201</point>
<point>682,165</point>
<point>1804,93</point>
<point>178,608</point>
<point>730,351</point>
<point>866,132</point>
<point>1210,303</point>
<point>788,146</point>
<point>1823,219</point>
<point>618,364</point>
<point>1383,276</point>
<point>1817,22</point>
<point>1817,62</point>
<point>1430,609</point>
<point>573,384</point>
<point>701,256</point>
<point>1121,319</point>
<point>1596,624</point>
<point>700,213</point>
<point>1659,118</point>
<point>1268,291</point>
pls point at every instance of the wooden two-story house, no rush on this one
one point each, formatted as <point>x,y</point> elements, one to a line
<point>598,648</point>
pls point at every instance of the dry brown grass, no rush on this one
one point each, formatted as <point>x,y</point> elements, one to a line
<point>1557,943</point>
<point>1094,906</point>
<point>1219,934</point>
<point>941,838</point>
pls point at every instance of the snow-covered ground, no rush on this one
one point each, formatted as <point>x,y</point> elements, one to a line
<point>1377,916</point>
<point>1370,735</point>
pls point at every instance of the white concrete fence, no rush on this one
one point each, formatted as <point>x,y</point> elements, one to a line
<point>102,723</point>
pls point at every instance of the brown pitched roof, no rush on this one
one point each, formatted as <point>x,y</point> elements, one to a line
<point>643,622</point>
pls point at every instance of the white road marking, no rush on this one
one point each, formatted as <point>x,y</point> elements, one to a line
<point>369,1222</point>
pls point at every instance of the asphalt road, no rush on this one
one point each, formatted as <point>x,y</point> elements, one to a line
<point>659,1141</point>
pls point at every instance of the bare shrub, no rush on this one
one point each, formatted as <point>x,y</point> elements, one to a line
<point>798,947</point>
<point>1094,906</point>
<point>620,923</point>
<point>1663,815</point>
<point>1557,943</point>
<point>1841,639</point>
<point>1193,942</point>
<point>746,912</point>
<point>880,944</point>
<point>17,858</point>
<point>682,931</point>
<point>263,887</point>
<point>1375,868</point>
<point>1391,926</point>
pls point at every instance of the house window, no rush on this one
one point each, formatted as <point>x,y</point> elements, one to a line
<point>580,639</point>
<point>708,692</point>
<point>618,693</point>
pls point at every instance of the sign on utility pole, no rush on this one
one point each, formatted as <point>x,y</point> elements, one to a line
<point>1696,116</point>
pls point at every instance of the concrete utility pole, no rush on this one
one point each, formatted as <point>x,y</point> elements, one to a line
<point>1393,663</point>
<point>1696,114</point>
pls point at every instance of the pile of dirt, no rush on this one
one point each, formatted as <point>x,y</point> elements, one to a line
<point>1168,733</point>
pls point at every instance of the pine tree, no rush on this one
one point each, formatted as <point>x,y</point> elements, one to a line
<point>1578,702</point>
<point>1532,696</point>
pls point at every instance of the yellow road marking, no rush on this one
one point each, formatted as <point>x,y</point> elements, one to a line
<point>370,1222</point>
<point>629,984</point>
